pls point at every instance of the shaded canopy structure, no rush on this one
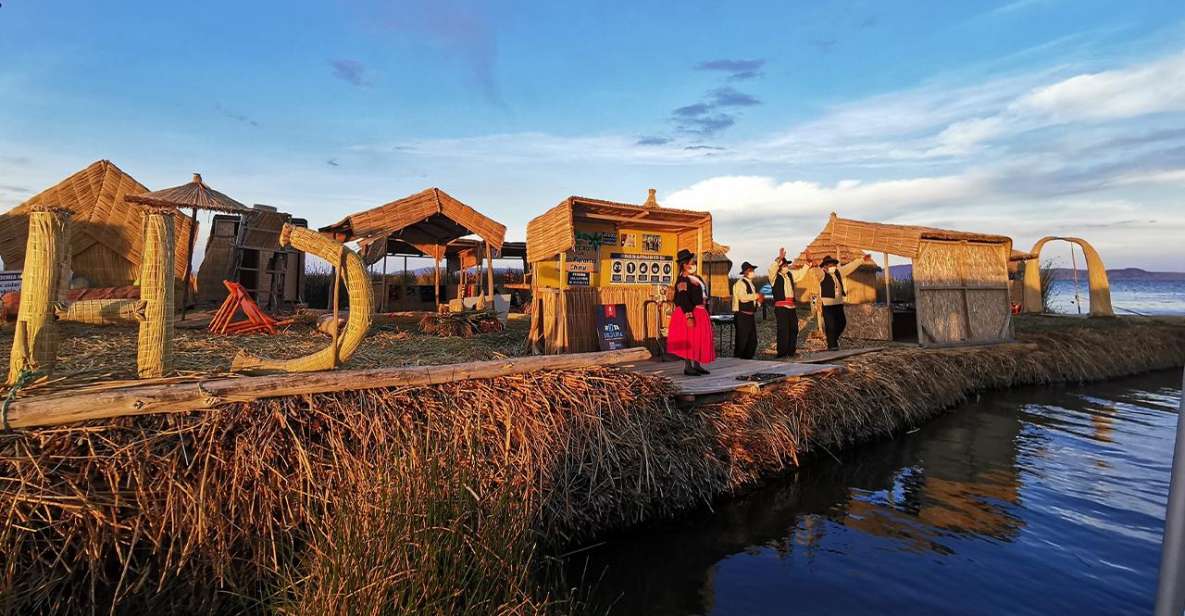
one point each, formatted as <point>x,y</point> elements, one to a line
<point>425,223</point>
<point>106,244</point>
<point>193,195</point>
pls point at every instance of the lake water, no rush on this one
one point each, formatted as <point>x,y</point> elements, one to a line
<point>1028,501</point>
<point>1127,296</point>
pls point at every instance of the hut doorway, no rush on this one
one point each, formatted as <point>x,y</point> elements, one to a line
<point>1096,274</point>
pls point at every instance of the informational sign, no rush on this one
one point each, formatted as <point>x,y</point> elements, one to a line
<point>641,268</point>
<point>582,266</point>
<point>578,279</point>
<point>10,281</point>
<point>612,327</point>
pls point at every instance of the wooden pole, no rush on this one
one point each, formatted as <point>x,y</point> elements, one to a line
<point>188,264</point>
<point>176,397</point>
<point>888,296</point>
<point>386,294</point>
<point>436,276</point>
<point>490,274</point>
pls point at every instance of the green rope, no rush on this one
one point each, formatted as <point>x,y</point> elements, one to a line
<point>26,376</point>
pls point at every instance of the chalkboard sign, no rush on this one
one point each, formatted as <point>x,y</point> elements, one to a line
<point>612,328</point>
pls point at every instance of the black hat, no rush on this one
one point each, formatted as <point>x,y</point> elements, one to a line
<point>829,260</point>
<point>746,266</point>
<point>684,256</point>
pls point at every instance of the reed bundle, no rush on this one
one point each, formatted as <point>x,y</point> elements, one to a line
<point>46,272</point>
<point>463,324</point>
<point>336,503</point>
<point>154,349</point>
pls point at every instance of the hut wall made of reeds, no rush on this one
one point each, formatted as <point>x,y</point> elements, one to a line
<point>564,320</point>
<point>106,243</point>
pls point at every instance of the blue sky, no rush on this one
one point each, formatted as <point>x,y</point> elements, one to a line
<point>1023,117</point>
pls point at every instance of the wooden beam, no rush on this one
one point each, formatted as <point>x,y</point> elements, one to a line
<point>175,397</point>
<point>888,296</point>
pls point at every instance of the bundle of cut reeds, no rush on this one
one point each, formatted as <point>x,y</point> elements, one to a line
<point>463,324</point>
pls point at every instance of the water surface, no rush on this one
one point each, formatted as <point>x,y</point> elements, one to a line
<point>1034,500</point>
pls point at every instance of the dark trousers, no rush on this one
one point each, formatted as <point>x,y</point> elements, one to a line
<point>787,330</point>
<point>834,322</point>
<point>746,335</point>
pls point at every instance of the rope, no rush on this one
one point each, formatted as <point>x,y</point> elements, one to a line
<point>26,376</point>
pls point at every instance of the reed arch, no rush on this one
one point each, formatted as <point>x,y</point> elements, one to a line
<point>1096,274</point>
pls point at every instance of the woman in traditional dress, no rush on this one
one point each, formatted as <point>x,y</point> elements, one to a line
<point>690,330</point>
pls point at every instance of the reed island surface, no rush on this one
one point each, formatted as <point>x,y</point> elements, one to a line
<point>453,497</point>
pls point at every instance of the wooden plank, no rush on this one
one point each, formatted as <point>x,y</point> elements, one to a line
<point>829,356</point>
<point>725,371</point>
<point>174,397</point>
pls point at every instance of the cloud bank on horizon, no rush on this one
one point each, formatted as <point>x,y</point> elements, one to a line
<point>1027,118</point>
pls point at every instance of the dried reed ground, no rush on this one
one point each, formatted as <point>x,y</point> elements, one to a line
<point>249,507</point>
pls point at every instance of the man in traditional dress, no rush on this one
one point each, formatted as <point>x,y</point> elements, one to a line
<point>783,278</point>
<point>745,300</point>
<point>831,294</point>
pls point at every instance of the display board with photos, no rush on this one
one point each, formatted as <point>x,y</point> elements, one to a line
<point>626,268</point>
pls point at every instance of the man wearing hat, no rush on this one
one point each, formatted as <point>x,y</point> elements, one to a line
<point>783,279</point>
<point>831,294</point>
<point>745,300</point>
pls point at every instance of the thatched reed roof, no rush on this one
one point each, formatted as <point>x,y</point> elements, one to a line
<point>194,194</point>
<point>823,245</point>
<point>428,221</point>
<point>855,236</point>
<point>262,226</point>
<point>105,243</point>
<point>554,232</point>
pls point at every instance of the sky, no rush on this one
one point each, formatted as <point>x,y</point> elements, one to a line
<point>1020,117</point>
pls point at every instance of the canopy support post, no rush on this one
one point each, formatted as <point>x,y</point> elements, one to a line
<point>489,274</point>
<point>188,264</point>
<point>386,294</point>
<point>436,276</point>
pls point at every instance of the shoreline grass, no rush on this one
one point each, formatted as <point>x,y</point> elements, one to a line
<point>404,500</point>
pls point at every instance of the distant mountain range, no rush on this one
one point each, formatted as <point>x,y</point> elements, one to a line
<point>1064,273</point>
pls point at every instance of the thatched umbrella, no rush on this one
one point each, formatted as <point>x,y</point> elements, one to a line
<point>196,196</point>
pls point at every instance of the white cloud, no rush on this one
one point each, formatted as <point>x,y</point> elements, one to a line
<point>1157,87</point>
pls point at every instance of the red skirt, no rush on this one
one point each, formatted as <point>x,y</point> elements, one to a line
<point>693,343</point>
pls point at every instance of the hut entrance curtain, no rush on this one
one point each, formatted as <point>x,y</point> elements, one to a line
<point>962,292</point>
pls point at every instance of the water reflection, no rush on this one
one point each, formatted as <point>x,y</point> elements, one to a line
<point>1035,500</point>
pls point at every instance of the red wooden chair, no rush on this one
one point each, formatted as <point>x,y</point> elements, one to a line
<point>239,300</point>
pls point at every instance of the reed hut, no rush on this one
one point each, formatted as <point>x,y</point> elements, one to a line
<point>106,240</point>
<point>423,224</point>
<point>961,285</point>
<point>587,252</point>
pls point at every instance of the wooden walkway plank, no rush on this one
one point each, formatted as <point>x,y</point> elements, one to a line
<point>724,373</point>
